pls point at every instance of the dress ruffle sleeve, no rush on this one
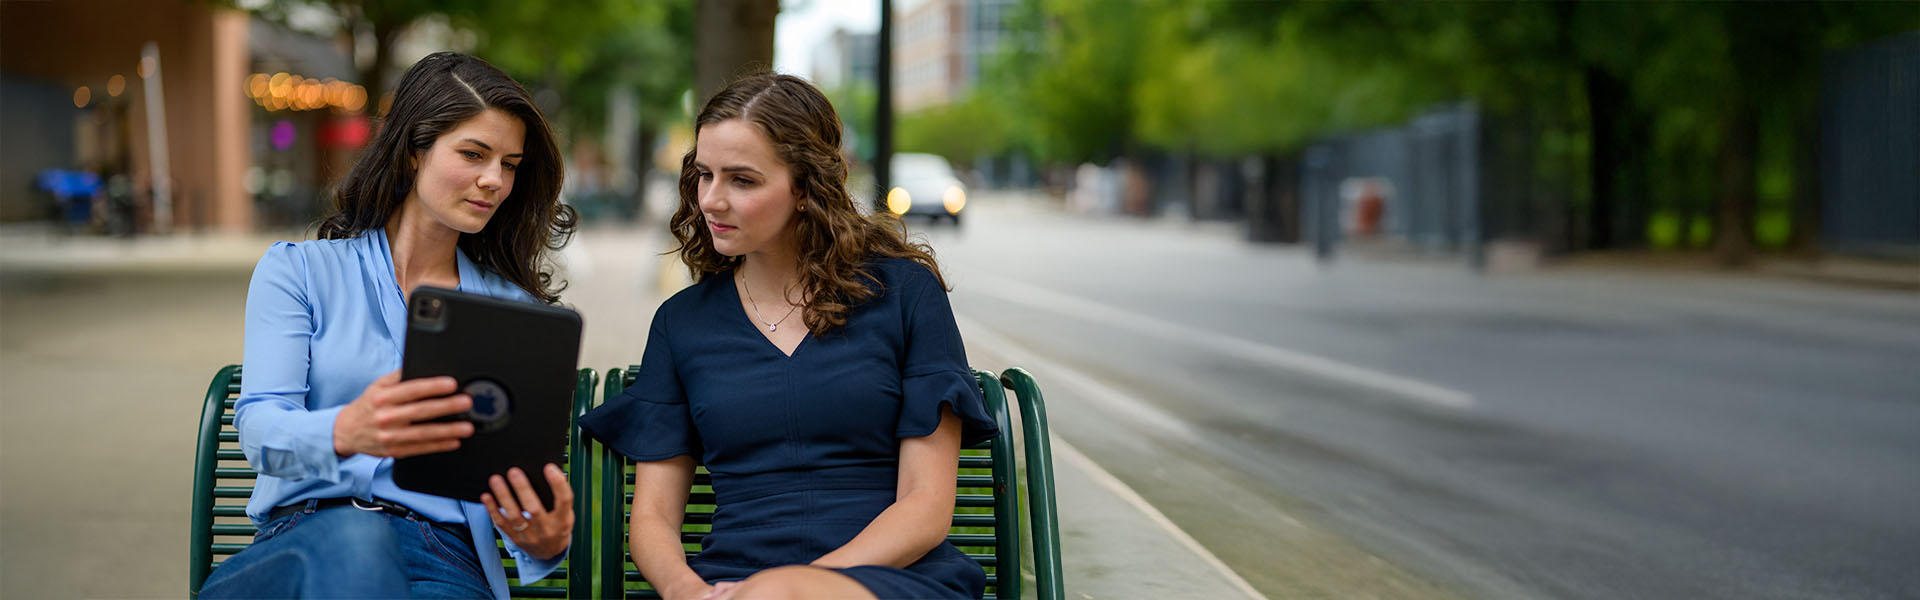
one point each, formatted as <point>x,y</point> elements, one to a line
<point>936,372</point>
<point>650,421</point>
<point>923,396</point>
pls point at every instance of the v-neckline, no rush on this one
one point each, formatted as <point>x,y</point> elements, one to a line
<point>741,310</point>
<point>378,260</point>
<point>463,270</point>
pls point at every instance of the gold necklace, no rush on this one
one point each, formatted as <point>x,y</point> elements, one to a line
<point>771,326</point>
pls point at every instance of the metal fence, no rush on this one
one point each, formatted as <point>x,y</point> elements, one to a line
<point>1427,173</point>
<point>1870,149</point>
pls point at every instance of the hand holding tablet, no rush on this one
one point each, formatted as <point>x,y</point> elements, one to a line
<point>511,366</point>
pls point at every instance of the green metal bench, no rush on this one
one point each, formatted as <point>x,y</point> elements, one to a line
<point>986,520</point>
<point>222,482</point>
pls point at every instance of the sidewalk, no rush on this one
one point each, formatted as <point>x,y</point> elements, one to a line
<point>39,247</point>
<point>1832,270</point>
<point>1116,545</point>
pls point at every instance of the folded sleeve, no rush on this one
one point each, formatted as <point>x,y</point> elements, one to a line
<point>278,434</point>
<point>935,372</point>
<point>649,421</point>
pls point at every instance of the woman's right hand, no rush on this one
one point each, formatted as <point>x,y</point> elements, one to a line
<point>386,420</point>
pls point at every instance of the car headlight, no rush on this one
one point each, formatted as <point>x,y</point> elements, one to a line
<point>899,201</point>
<point>955,199</point>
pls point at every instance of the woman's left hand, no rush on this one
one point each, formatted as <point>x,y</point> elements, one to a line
<point>518,514</point>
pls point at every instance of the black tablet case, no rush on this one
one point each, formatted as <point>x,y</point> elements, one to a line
<point>528,349</point>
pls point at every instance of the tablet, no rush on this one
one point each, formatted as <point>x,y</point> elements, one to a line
<point>517,361</point>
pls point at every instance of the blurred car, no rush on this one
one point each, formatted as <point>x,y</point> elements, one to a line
<point>924,185</point>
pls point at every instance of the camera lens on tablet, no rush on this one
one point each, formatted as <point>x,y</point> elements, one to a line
<point>430,308</point>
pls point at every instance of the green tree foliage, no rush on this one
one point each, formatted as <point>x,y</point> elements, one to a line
<point>961,132</point>
<point>1076,80</point>
<point>381,22</point>
<point>1637,114</point>
<point>571,57</point>
<point>853,101</point>
<point>590,48</point>
<point>578,53</point>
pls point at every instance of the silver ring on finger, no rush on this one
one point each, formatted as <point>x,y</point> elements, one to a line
<point>520,527</point>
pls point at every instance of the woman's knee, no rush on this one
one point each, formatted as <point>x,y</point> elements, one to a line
<point>336,553</point>
<point>780,583</point>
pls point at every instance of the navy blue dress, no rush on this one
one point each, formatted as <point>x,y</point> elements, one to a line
<point>804,450</point>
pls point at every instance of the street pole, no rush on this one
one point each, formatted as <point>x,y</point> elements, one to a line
<point>1321,201</point>
<point>158,166</point>
<point>883,110</point>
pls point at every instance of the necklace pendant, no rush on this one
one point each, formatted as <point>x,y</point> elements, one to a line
<point>771,328</point>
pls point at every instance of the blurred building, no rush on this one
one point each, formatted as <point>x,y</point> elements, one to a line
<point>846,57</point>
<point>940,48</point>
<point>307,121</point>
<point>246,122</point>
<point>77,96</point>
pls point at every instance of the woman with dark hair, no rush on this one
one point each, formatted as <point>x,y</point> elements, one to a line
<point>459,189</point>
<point>814,368</point>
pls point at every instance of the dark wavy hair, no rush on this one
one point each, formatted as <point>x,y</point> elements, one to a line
<point>836,242</point>
<point>438,93</point>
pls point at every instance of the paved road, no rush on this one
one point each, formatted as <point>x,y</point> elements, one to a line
<point>1574,433</point>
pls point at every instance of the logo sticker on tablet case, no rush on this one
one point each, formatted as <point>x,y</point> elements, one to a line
<point>490,404</point>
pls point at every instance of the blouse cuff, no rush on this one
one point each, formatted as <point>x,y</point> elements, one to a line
<point>296,444</point>
<point>532,568</point>
<point>923,395</point>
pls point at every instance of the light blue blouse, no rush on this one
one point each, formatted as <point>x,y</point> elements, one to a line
<point>324,319</point>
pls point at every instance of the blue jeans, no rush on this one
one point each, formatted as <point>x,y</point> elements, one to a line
<point>343,552</point>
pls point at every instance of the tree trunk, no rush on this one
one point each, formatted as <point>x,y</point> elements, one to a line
<point>374,76</point>
<point>883,109</point>
<point>1605,97</point>
<point>1733,224</point>
<point>731,38</point>
<point>1633,183</point>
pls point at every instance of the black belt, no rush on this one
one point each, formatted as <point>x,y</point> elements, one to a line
<point>373,505</point>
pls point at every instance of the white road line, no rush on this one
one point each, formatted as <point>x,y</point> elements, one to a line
<point>1093,389</point>
<point>1300,362</point>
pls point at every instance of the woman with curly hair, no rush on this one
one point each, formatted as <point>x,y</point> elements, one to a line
<point>814,368</point>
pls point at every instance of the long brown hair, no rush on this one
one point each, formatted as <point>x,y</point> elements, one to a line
<point>836,242</point>
<point>437,94</point>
